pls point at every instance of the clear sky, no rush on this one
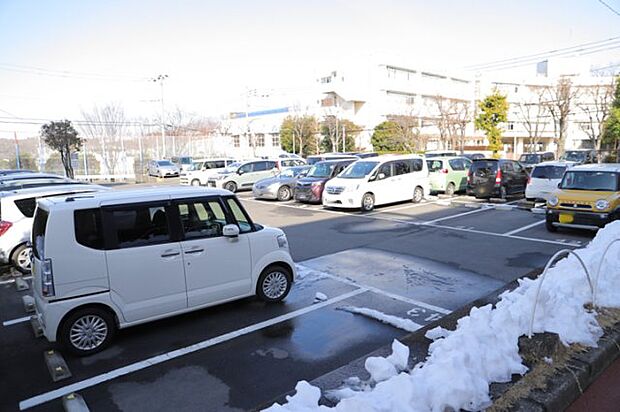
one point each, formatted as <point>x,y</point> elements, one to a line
<point>213,50</point>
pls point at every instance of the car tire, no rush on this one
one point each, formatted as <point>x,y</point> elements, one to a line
<point>86,321</point>
<point>21,258</point>
<point>230,186</point>
<point>274,283</point>
<point>284,193</point>
<point>550,227</point>
<point>195,182</point>
<point>450,189</point>
<point>368,202</point>
<point>418,195</point>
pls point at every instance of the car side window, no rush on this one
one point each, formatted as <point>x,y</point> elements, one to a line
<point>270,165</point>
<point>386,169</point>
<point>417,165</point>
<point>260,167</point>
<point>402,167</point>
<point>507,167</point>
<point>88,228</point>
<point>26,206</point>
<point>518,168</point>
<point>246,168</point>
<point>243,221</point>
<point>201,218</point>
<point>140,225</point>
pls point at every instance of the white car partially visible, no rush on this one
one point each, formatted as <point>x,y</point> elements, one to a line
<point>16,213</point>
<point>544,179</point>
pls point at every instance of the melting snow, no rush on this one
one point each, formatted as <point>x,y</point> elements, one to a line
<point>401,323</point>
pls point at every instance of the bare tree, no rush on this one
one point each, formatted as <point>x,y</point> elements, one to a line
<point>407,133</point>
<point>533,114</point>
<point>595,103</point>
<point>458,117</point>
<point>559,101</point>
<point>107,126</point>
<point>441,120</point>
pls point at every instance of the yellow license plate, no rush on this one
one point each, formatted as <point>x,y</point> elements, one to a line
<point>566,218</point>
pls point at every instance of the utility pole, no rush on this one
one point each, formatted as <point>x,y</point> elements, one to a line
<point>160,78</point>
<point>17,162</point>
<point>344,139</point>
<point>85,159</point>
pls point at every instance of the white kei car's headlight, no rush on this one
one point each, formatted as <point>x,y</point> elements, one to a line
<point>553,201</point>
<point>601,204</point>
<point>282,241</point>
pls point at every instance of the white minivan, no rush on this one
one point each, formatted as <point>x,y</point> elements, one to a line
<point>544,179</point>
<point>378,181</point>
<point>107,261</point>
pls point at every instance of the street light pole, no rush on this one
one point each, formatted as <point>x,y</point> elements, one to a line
<point>160,78</point>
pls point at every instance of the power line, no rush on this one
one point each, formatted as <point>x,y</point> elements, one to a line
<point>69,74</point>
<point>572,49</point>
<point>609,7</point>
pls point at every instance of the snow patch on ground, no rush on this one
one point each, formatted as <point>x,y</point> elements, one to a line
<point>401,323</point>
<point>320,297</point>
<point>483,348</point>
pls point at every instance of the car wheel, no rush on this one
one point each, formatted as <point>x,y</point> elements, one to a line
<point>549,226</point>
<point>450,189</point>
<point>21,258</point>
<point>418,195</point>
<point>368,202</point>
<point>284,193</point>
<point>274,283</point>
<point>86,331</point>
<point>231,187</point>
<point>195,182</point>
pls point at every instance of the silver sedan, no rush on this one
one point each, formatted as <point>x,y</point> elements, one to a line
<point>281,186</point>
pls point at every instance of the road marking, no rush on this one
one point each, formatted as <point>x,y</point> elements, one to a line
<point>471,212</point>
<point>521,229</point>
<point>376,212</point>
<point>376,290</point>
<point>15,321</point>
<point>433,225</point>
<point>155,360</point>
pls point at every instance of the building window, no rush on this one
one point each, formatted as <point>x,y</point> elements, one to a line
<point>236,141</point>
<point>275,140</point>
<point>260,140</point>
<point>511,126</point>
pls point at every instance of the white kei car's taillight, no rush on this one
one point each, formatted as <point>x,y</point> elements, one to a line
<point>47,278</point>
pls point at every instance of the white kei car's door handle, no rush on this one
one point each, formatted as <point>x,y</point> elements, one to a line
<point>170,253</point>
<point>191,251</point>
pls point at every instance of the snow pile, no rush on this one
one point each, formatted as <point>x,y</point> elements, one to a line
<point>401,323</point>
<point>483,348</point>
<point>320,297</point>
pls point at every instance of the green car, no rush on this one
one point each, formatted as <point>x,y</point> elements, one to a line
<point>448,174</point>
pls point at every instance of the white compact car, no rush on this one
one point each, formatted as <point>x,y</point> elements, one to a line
<point>117,259</point>
<point>17,211</point>
<point>544,179</point>
<point>377,181</point>
<point>202,169</point>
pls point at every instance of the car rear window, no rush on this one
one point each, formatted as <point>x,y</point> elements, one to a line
<point>88,230</point>
<point>38,232</point>
<point>548,172</point>
<point>487,166</point>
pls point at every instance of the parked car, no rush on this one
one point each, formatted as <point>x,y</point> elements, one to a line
<point>29,175</point>
<point>162,168</point>
<point>243,175</point>
<point>289,156</point>
<point>530,159</point>
<point>310,188</point>
<point>440,153</point>
<point>448,174</point>
<point>201,171</point>
<point>473,156</point>
<point>581,156</point>
<point>362,155</point>
<point>498,178</point>
<point>182,162</point>
<point>17,208</point>
<point>588,197</point>
<point>329,156</point>
<point>282,164</point>
<point>377,181</point>
<point>544,179</point>
<point>10,185</point>
<point>281,186</point>
<point>122,258</point>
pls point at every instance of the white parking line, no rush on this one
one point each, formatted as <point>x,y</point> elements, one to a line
<point>4,282</point>
<point>409,206</point>
<point>521,229</point>
<point>441,219</point>
<point>379,291</point>
<point>15,321</point>
<point>155,360</point>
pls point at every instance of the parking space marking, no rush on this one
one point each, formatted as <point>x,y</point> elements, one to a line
<point>412,205</point>
<point>471,212</point>
<point>5,282</point>
<point>155,360</point>
<point>16,321</point>
<point>380,291</point>
<point>521,229</point>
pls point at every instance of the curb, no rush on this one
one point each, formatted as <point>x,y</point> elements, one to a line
<point>562,388</point>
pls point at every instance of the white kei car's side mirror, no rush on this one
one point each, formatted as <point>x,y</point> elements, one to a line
<point>230,231</point>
